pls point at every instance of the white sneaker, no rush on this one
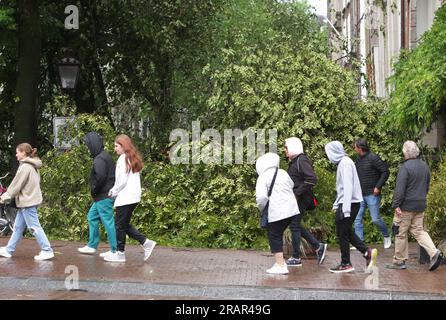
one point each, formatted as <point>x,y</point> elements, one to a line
<point>44,255</point>
<point>148,248</point>
<point>4,253</point>
<point>87,250</point>
<point>387,242</point>
<point>278,269</point>
<point>104,254</point>
<point>352,249</point>
<point>115,257</point>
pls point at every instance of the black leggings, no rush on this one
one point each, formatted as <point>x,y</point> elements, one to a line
<point>275,234</point>
<point>297,231</point>
<point>123,226</point>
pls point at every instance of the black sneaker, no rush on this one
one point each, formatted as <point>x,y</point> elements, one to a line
<point>397,266</point>
<point>342,268</point>
<point>294,262</point>
<point>436,261</point>
<point>320,253</point>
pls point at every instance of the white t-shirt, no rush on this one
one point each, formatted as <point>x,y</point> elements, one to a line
<point>127,185</point>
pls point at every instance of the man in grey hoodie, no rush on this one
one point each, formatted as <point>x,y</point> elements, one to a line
<point>346,206</point>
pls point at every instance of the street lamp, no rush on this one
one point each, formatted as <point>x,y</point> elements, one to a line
<point>68,72</point>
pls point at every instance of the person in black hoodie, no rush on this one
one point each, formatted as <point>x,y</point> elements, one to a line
<point>304,178</point>
<point>102,179</point>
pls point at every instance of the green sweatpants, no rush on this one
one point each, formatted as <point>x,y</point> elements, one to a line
<point>102,211</point>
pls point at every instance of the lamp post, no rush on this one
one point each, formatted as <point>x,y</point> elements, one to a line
<point>68,68</point>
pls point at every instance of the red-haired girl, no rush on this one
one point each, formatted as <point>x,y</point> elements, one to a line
<point>127,191</point>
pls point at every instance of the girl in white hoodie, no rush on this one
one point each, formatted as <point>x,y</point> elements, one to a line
<point>127,191</point>
<point>282,207</point>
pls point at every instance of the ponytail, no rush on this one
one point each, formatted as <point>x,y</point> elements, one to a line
<point>29,151</point>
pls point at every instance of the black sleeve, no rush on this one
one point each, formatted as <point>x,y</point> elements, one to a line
<point>99,175</point>
<point>309,176</point>
<point>294,175</point>
<point>382,167</point>
<point>400,189</point>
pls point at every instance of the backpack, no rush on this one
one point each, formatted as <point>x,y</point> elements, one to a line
<point>310,200</point>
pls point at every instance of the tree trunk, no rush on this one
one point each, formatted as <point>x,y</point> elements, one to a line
<point>162,119</point>
<point>27,91</point>
<point>91,95</point>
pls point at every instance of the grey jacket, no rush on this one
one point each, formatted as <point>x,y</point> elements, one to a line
<point>412,186</point>
<point>348,187</point>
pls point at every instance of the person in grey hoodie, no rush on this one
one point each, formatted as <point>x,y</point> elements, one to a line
<point>346,206</point>
<point>282,205</point>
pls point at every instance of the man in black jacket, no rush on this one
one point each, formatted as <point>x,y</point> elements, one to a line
<point>409,202</point>
<point>373,174</point>
<point>301,172</point>
<point>102,179</point>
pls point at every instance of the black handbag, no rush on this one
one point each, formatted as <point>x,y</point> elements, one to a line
<point>264,217</point>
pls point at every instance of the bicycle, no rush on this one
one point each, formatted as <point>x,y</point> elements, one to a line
<point>7,213</point>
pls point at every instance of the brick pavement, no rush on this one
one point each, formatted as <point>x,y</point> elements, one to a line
<point>171,268</point>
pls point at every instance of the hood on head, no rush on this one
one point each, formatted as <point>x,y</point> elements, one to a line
<point>94,143</point>
<point>294,146</point>
<point>335,151</point>
<point>35,162</point>
<point>268,160</point>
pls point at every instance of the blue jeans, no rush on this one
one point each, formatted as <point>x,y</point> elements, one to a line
<point>373,203</point>
<point>27,217</point>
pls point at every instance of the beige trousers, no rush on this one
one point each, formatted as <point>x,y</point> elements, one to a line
<point>413,222</point>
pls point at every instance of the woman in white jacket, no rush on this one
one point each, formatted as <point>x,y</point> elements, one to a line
<point>282,208</point>
<point>127,191</point>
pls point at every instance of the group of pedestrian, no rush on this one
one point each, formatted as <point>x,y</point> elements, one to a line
<point>288,195</point>
<point>285,195</point>
<point>112,187</point>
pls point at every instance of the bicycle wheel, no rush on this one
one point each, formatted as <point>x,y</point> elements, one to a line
<point>4,223</point>
<point>10,214</point>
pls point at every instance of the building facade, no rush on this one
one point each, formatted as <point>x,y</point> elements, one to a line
<point>375,32</point>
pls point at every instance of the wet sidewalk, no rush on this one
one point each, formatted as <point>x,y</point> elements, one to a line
<point>185,273</point>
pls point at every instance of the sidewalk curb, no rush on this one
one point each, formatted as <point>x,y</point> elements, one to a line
<point>210,292</point>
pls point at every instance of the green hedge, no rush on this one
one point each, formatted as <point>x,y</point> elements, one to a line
<point>436,204</point>
<point>182,205</point>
